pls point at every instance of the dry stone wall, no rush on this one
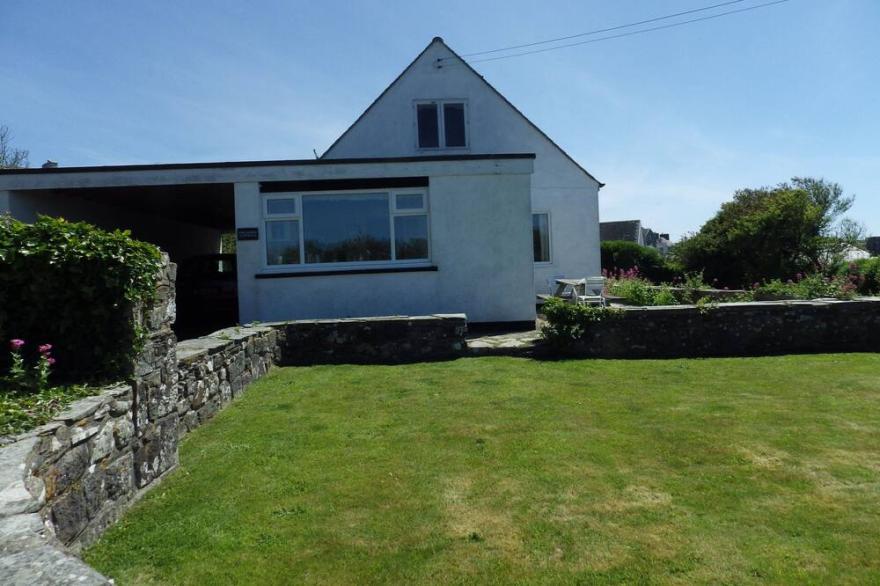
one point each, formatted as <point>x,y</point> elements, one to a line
<point>734,329</point>
<point>215,369</point>
<point>372,339</point>
<point>63,484</point>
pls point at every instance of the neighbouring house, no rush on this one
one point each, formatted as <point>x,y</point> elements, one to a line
<point>439,104</point>
<point>441,198</point>
<point>872,244</point>
<point>851,253</point>
<point>633,231</point>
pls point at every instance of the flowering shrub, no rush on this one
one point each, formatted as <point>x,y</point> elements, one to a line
<point>812,286</point>
<point>630,285</point>
<point>21,378</point>
<point>865,273</point>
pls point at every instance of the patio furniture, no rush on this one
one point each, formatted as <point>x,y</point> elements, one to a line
<point>589,291</point>
<point>594,292</point>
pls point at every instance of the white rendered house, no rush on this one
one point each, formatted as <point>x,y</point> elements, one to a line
<point>440,105</point>
<point>323,238</point>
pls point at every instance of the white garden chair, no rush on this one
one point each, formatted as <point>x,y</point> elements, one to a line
<point>594,292</point>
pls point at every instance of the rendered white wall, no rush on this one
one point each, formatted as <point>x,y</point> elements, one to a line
<point>558,185</point>
<point>479,242</point>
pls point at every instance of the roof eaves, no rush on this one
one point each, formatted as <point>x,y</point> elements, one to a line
<point>269,163</point>
<point>380,96</point>
<point>518,111</point>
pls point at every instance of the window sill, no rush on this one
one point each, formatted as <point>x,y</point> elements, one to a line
<point>348,271</point>
<point>443,149</point>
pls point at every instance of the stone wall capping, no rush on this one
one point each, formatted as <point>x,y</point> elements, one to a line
<point>15,498</point>
<point>81,409</point>
<point>240,332</point>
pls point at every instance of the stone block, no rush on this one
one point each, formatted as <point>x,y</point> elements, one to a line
<point>158,450</point>
<point>66,471</point>
<point>94,490</point>
<point>208,410</point>
<point>123,430</point>
<point>102,443</point>
<point>119,478</point>
<point>191,420</point>
<point>199,393</point>
<point>83,431</point>
<point>69,515</point>
<point>15,496</point>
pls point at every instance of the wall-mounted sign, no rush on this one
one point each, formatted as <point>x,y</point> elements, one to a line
<point>247,234</point>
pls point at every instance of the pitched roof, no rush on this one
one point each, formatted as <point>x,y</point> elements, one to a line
<point>483,79</point>
<point>622,230</point>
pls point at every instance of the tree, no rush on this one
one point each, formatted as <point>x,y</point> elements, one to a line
<point>11,157</point>
<point>624,255</point>
<point>768,233</point>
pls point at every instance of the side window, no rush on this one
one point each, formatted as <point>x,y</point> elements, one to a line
<point>541,236</point>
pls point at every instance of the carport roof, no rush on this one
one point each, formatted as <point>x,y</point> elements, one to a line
<point>272,163</point>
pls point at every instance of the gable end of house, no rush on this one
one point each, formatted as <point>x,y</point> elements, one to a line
<point>439,40</point>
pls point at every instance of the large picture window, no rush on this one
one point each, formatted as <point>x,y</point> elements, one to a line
<point>346,228</point>
<point>441,124</point>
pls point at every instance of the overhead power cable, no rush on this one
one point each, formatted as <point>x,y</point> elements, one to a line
<point>617,36</point>
<point>603,30</point>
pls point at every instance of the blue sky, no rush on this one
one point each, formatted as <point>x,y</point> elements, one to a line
<point>673,121</point>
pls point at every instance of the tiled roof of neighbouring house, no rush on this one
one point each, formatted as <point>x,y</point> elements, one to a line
<point>622,230</point>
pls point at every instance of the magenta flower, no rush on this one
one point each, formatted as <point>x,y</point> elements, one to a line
<point>44,348</point>
<point>50,360</point>
<point>16,344</point>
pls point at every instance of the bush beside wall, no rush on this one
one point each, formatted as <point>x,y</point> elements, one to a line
<point>76,287</point>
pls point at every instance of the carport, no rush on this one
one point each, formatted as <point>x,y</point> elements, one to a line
<point>185,220</point>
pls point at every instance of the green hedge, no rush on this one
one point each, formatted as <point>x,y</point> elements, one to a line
<point>569,322</point>
<point>73,285</point>
<point>623,255</point>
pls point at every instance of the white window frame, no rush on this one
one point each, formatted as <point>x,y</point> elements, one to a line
<point>549,237</point>
<point>305,267</point>
<point>441,124</point>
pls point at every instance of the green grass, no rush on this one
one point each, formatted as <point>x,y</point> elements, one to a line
<point>503,470</point>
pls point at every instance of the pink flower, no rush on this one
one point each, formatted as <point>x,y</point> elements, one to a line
<point>50,360</point>
<point>44,348</point>
<point>16,344</point>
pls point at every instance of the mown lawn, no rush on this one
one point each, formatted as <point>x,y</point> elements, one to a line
<point>504,470</point>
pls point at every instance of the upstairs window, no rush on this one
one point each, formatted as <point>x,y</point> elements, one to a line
<point>441,124</point>
<point>429,129</point>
